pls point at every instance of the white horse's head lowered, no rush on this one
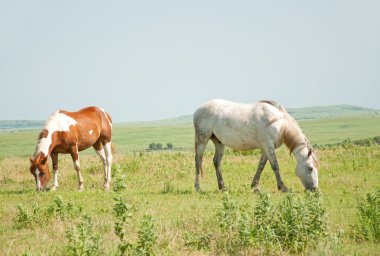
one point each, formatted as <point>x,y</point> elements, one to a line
<point>307,166</point>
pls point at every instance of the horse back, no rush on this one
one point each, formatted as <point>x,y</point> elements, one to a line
<point>93,124</point>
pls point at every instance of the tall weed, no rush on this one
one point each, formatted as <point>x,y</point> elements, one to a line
<point>83,240</point>
<point>368,227</point>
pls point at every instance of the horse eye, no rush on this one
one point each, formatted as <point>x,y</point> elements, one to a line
<point>41,174</point>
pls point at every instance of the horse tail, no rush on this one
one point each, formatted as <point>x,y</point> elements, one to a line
<point>196,149</point>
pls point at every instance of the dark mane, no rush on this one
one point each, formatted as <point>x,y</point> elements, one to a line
<point>43,134</point>
<point>273,103</point>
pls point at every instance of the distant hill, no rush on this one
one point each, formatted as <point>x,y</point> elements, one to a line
<point>330,111</point>
<point>14,125</point>
<point>297,113</point>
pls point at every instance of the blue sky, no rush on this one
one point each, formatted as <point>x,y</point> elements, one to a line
<point>147,60</point>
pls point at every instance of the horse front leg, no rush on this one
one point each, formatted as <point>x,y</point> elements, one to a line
<point>260,168</point>
<point>54,158</point>
<point>274,164</point>
<point>107,175</point>
<point>75,157</point>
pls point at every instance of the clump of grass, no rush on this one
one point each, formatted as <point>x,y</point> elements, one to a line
<point>167,188</point>
<point>119,184</point>
<point>83,240</point>
<point>292,226</point>
<point>263,218</point>
<point>146,237</point>
<point>63,210</point>
<point>299,224</point>
<point>198,240</point>
<point>368,227</point>
<point>26,219</point>
<point>123,213</point>
<point>235,225</point>
<point>146,233</point>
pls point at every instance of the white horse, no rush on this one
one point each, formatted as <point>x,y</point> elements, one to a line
<point>264,125</point>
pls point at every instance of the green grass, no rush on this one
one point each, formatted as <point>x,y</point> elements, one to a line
<point>161,185</point>
<point>137,138</point>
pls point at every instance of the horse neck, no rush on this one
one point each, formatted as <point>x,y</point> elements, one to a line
<point>292,134</point>
<point>44,148</point>
<point>299,153</point>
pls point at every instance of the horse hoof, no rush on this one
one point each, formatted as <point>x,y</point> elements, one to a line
<point>53,188</point>
<point>198,189</point>
<point>223,189</point>
<point>284,189</point>
<point>81,188</point>
<point>106,186</point>
<point>256,190</point>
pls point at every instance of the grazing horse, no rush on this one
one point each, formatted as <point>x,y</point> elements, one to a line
<point>71,132</point>
<point>264,125</point>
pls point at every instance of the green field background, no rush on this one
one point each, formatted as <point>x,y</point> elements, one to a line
<point>132,137</point>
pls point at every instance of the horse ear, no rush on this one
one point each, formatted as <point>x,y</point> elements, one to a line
<point>309,153</point>
<point>30,159</point>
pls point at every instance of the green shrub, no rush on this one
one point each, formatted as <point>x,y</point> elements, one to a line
<point>298,223</point>
<point>119,184</point>
<point>146,237</point>
<point>123,213</point>
<point>25,219</point>
<point>294,225</point>
<point>235,225</point>
<point>368,227</point>
<point>146,234</point>
<point>198,240</point>
<point>83,240</point>
<point>264,214</point>
<point>63,210</point>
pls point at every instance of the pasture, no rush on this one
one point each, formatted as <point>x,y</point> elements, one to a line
<point>137,137</point>
<point>160,185</point>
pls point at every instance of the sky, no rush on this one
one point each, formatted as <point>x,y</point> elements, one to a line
<point>149,60</point>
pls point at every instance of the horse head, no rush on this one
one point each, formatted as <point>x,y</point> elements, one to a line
<point>39,168</point>
<point>307,167</point>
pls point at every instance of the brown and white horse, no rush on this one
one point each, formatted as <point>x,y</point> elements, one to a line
<point>71,132</point>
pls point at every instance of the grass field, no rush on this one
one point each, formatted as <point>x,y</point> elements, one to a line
<point>132,137</point>
<point>160,184</point>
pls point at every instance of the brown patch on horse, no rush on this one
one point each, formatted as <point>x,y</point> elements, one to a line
<point>43,134</point>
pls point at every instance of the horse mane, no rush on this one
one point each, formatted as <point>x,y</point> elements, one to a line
<point>43,134</point>
<point>45,131</point>
<point>291,132</point>
<point>274,104</point>
<point>293,137</point>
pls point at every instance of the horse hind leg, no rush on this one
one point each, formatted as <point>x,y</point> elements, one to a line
<point>75,157</point>
<point>219,151</point>
<point>100,152</point>
<point>199,151</point>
